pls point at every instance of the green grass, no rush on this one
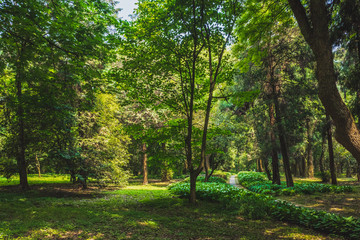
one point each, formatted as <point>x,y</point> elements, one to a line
<point>134,212</point>
<point>35,179</point>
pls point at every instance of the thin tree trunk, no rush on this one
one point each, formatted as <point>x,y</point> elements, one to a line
<point>145,168</point>
<point>303,166</point>
<point>348,168</point>
<point>206,166</point>
<point>274,154</point>
<point>310,158</point>
<point>266,168</point>
<point>259,165</point>
<point>283,145</point>
<point>165,176</point>
<point>21,161</point>
<point>321,158</point>
<point>193,177</point>
<point>213,166</point>
<point>38,165</point>
<point>331,153</point>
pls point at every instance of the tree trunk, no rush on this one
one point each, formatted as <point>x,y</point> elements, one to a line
<point>145,168</point>
<point>348,168</point>
<point>38,165</point>
<point>274,154</point>
<point>310,159</point>
<point>259,167</point>
<point>266,168</point>
<point>331,153</point>
<point>206,166</point>
<point>321,158</point>
<point>316,33</point>
<point>283,144</point>
<point>193,177</point>
<point>21,161</point>
<point>303,166</point>
<point>165,173</point>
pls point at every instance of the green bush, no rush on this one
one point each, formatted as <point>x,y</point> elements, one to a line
<point>244,177</point>
<point>211,179</point>
<point>255,205</point>
<point>222,174</point>
<point>256,182</point>
<point>248,203</point>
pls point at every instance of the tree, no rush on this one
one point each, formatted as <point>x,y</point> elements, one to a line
<point>179,50</point>
<point>41,40</point>
<point>314,25</point>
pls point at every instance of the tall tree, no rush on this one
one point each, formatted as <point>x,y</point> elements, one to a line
<point>182,46</point>
<point>37,37</point>
<point>313,20</point>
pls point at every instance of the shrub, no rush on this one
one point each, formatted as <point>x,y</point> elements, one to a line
<point>222,174</point>
<point>211,179</point>
<point>255,205</point>
<point>256,182</point>
<point>251,177</point>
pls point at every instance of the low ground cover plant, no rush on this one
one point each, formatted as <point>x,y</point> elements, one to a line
<point>254,205</point>
<point>256,182</point>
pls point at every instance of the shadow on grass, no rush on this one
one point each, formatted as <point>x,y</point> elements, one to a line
<point>133,213</point>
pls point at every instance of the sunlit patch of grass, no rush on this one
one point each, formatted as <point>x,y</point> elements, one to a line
<point>35,179</point>
<point>149,223</point>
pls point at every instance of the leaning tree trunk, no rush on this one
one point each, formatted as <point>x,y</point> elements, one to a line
<point>315,29</point>
<point>145,168</point>
<point>206,167</point>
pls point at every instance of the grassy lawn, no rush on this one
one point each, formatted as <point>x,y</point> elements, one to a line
<point>345,204</point>
<point>35,179</point>
<point>62,211</point>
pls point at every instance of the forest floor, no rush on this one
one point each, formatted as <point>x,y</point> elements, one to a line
<point>63,211</point>
<point>345,204</point>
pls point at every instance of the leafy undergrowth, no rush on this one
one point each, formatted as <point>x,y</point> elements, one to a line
<point>256,182</point>
<point>211,179</point>
<point>345,204</point>
<point>255,205</point>
<point>134,212</point>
